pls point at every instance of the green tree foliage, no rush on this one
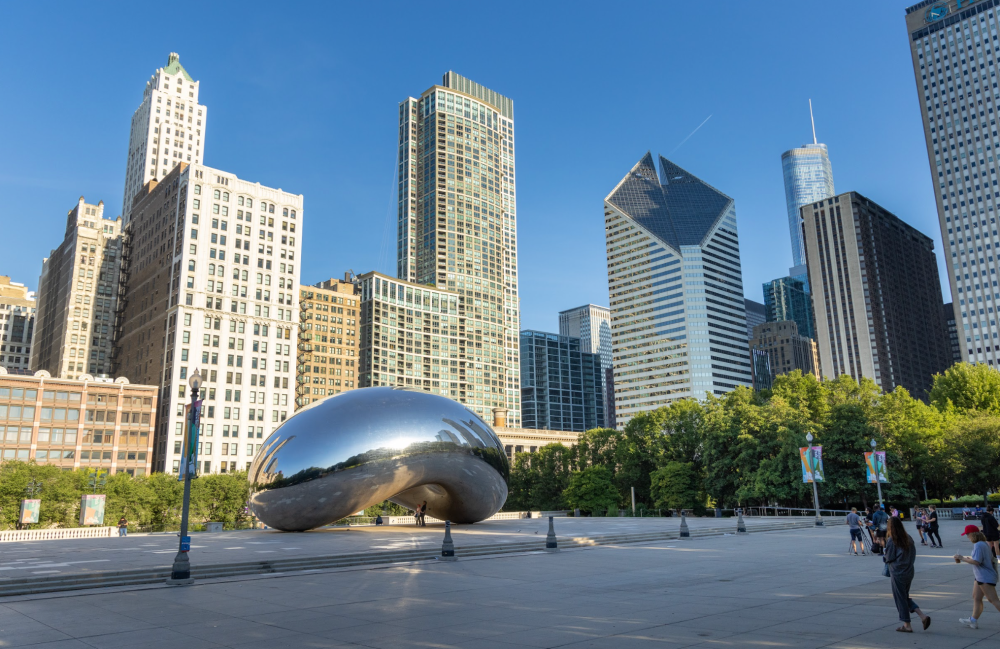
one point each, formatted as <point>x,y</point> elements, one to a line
<point>966,387</point>
<point>146,501</point>
<point>677,485</point>
<point>592,491</point>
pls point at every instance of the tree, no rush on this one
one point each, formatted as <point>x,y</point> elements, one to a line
<point>977,445</point>
<point>676,485</point>
<point>967,387</point>
<point>592,490</point>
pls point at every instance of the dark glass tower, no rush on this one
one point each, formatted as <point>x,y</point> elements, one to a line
<point>560,384</point>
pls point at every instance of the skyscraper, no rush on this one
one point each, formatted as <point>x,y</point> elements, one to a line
<point>210,273</point>
<point>787,349</point>
<point>457,223</point>
<point>17,325</point>
<point>876,296</point>
<point>592,325</point>
<point>808,178</point>
<point>560,383</point>
<point>678,320</point>
<point>958,113</point>
<point>786,298</point>
<point>78,295</point>
<point>756,315</point>
<point>168,128</point>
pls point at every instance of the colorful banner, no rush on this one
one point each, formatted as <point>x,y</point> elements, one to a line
<point>875,465</point>
<point>29,511</point>
<point>92,509</point>
<point>190,459</point>
<point>812,463</point>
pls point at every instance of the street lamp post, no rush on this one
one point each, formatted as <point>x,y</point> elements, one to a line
<point>878,471</point>
<point>813,466</point>
<point>180,573</point>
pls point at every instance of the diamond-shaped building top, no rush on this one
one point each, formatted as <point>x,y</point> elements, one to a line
<point>675,205</point>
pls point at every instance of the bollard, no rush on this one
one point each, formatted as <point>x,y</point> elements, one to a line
<point>448,547</point>
<point>741,527</point>
<point>576,513</point>
<point>685,532</point>
<point>550,538</point>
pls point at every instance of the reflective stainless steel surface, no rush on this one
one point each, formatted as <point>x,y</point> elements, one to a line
<point>337,456</point>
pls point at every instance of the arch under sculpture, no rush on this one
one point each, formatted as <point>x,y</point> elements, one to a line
<point>340,455</point>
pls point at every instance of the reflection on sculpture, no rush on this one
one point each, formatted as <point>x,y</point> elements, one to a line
<point>337,456</point>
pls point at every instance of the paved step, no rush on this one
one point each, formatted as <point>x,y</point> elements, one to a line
<point>139,576</point>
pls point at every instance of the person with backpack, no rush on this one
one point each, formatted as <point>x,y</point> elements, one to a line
<point>880,523</point>
<point>984,571</point>
<point>900,553</point>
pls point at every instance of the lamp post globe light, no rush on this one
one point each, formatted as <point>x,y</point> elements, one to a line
<point>813,466</point>
<point>878,471</point>
<point>180,573</point>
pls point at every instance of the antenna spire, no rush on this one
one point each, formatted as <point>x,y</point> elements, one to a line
<point>813,120</point>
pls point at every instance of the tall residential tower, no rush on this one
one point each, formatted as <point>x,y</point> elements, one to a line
<point>678,320</point>
<point>954,49</point>
<point>877,296</point>
<point>457,225</point>
<point>168,128</point>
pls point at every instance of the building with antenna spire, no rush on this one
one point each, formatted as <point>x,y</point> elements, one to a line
<point>808,178</point>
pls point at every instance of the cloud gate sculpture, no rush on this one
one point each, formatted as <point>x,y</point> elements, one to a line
<point>360,448</point>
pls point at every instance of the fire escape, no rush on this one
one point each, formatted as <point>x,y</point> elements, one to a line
<point>122,303</point>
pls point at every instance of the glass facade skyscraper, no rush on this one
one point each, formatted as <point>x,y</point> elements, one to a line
<point>561,383</point>
<point>954,50</point>
<point>787,298</point>
<point>808,178</point>
<point>457,228</point>
<point>678,320</point>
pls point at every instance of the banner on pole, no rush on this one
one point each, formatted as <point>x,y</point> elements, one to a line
<point>812,463</point>
<point>875,466</point>
<point>92,509</point>
<point>29,511</point>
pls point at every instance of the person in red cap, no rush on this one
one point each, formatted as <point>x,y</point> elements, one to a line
<point>984,569</point>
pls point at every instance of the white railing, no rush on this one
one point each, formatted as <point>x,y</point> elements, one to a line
<point>57,534</point>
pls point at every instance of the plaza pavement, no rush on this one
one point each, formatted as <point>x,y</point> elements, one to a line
<point>795,589</point>
<point>40,558</point>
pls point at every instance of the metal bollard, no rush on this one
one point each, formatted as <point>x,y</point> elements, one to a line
<point>550,538</point>
<point>685,532</point>
<point>447,547</point>
<point>741,527</point>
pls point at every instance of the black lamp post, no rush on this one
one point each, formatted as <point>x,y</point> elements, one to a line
<point>180,574</point>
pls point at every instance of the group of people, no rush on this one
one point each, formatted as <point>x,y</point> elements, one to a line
<point>420,514</point>
<point>898,550</point>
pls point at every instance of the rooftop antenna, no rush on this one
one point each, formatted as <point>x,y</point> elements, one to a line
<point>813,120</point>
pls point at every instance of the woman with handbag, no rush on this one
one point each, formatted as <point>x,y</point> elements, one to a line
<point>984,572</point>
<point>900,553</point>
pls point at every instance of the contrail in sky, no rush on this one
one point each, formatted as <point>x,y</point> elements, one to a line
<point>689,136</point>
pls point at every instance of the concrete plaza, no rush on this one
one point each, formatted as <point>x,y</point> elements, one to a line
<point>37,558</point>
<point>795,588</point>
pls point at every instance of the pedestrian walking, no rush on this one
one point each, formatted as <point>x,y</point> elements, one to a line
<point>900,553</point>
<point>920,518</point>
<point>932,527</point>
<point>423,514</point>
<point>984,571</point>
<point>880,523</point>
<point>122,526</point>
<point>991,529</point>
<point>854,525</point>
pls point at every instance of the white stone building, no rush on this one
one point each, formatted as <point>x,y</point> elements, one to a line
<point>168,128</point>
<point>211,270</point>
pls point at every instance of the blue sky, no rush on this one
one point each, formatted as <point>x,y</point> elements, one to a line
<point>304,97</point>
